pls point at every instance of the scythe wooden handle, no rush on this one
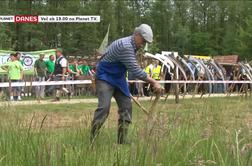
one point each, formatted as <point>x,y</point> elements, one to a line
<point>139,105</point>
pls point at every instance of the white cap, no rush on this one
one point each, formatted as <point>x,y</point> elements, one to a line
<point>145,31</point>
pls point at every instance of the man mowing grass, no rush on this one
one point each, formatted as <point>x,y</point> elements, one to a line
<point>119,57</point>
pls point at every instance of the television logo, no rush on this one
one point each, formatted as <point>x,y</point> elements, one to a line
<point>26,19</point>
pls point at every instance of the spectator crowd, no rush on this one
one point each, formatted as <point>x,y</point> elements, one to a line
<point>58,68</point>
<point>55,68</point>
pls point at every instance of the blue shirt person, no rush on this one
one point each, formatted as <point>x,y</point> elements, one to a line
<point>119,58</point>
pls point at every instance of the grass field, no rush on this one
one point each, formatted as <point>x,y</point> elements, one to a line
<point>213,131</point>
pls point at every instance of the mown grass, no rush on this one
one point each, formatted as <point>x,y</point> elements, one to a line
<point>213,131</point>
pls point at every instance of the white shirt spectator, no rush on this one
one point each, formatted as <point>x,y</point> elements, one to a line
<point>63,62</point>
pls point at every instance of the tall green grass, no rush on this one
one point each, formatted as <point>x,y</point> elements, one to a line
<point>214,131</point>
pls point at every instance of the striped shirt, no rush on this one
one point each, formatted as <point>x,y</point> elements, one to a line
<point>124,50</point>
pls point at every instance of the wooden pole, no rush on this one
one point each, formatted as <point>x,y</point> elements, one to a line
<point>176,85</point>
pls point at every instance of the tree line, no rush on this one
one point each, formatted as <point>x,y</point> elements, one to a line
<point>189,27</point>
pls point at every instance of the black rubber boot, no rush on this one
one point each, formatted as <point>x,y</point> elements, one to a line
<point>94,132</point>
<point>122,132</point>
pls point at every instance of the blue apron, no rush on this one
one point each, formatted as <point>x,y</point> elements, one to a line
<point>115,74</point>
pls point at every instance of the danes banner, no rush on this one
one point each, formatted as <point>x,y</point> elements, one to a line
<point>27,58</point>
<point>50,19</point>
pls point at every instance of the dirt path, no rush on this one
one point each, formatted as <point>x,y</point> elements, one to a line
<point>94,100</point>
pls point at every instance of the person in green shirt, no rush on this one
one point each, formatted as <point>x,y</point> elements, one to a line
<point>73,68</point>
<point>15,74</point>
<point>50,64</point>
<point>84,68</point>
<point>40,66</point>
<point>40,70</point>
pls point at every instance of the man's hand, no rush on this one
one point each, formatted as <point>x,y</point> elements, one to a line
<point>62,78</point>
<point>157,88</point>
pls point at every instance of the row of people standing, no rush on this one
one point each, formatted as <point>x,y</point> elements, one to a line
<point>58,70</point>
